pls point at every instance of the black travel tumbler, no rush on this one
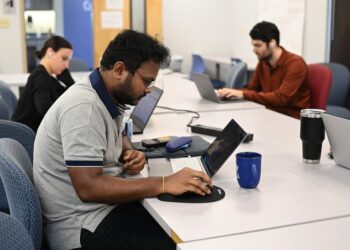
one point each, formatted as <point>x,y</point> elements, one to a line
<point>312,134</point>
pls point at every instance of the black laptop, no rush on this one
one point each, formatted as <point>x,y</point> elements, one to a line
<point>144,109</point>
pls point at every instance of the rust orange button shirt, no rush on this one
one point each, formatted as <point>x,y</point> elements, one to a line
<point>282,88</point>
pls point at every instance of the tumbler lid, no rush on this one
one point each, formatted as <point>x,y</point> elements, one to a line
<point>312,113</point>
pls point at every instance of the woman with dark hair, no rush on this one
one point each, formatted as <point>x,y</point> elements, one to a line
<point>46,83</point>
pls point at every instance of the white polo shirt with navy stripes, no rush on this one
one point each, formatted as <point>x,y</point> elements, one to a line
<point>83,128</point>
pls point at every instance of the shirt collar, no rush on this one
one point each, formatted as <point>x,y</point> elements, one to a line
<point>98,84</point>
<point>280,62</point>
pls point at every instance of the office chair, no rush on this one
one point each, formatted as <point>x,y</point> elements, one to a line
<point>336,102</point>
<point>8,96</point>
<point>197,65</point>
<point>320,81</point>
<point>4,110</point>
<point>235,60</point>
<point>76,64</point>
<point>237,76</point>
<point>13,235</point>
<point>14,151</point>
<point>19,132</point>
<point>23,201</point>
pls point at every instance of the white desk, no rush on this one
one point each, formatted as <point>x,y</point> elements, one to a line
<point>325,235</point>
<point>181,93</point>
<point>15,81</point>
<point>20,80</point>
<point>286,196</point>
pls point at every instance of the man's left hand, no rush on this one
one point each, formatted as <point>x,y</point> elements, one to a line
<point>134,161</point>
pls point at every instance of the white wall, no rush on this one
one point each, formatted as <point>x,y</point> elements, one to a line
<point>221,28</point>
<point>12,50</point>
<point>196,26</point>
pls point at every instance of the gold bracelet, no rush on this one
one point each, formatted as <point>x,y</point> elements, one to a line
<point>163,181</point>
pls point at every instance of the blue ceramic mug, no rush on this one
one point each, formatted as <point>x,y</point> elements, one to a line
<point>248,169</point>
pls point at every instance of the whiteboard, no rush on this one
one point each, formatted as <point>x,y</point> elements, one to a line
<point>289,16</point>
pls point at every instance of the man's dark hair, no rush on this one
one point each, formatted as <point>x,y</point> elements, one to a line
<point>134,48</point>
<point>265,31</point>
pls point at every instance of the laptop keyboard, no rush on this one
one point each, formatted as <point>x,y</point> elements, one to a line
<point>179,163</point>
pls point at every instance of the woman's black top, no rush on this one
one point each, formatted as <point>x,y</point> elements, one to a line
<point>40,92</point>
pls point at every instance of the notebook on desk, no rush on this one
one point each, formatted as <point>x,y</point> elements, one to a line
<point>338,132</point>
<point>144,109</point>
<point>207,91</point>
<point>210,161</point>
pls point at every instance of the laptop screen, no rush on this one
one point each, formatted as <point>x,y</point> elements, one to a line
<point>144,109</point>
<point>223,146</point>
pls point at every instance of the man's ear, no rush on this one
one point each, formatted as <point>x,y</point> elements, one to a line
<point>272,43</point>
<point>118,69</point>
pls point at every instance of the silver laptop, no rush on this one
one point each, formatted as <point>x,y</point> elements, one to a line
<point>339,138</point>
<point>210,161</point>
<point>207,91</point>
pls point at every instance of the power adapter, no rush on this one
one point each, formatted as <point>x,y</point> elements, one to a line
<point>213,131</point>
<point>205,130</point>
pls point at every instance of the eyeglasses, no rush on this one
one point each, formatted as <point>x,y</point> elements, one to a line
<point>146,82</point>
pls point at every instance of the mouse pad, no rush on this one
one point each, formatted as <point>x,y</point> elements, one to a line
<point>217,194</point>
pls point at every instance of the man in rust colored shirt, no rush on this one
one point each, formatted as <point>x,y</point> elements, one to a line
<point>280,78</point>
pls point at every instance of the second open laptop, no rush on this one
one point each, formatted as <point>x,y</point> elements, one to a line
<point>339,138</point>
<point>144,109</point>
<point>206,89</point>
<point>210,161</point>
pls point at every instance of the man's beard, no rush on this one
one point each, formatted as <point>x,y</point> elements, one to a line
<point>266,57</point>
<point>126,95</point>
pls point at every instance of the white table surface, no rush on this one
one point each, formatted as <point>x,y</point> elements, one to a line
<point>20,80</point>
<point>290,191</point>
<point>181,93</point>
<point>324,235</point>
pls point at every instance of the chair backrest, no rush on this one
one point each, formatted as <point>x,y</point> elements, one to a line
<point>19,132</point>
<point>22,199</point>
<point>237,76</point>
<point>340,84</point>
<point>197,65</point>
<point>14,151</point>
<point>5,111</point>
<point>320,81</point>
<point>76,64</point>
<point>8,96</point>
<point>13,235</point>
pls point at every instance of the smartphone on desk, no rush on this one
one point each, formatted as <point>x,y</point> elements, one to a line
<point>156,142</point>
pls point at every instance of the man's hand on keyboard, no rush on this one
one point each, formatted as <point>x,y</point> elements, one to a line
<point>188,180</point>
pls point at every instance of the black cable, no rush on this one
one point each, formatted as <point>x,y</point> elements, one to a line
<point>183,110</point>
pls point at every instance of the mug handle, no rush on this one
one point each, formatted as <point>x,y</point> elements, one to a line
<point>255,173</point>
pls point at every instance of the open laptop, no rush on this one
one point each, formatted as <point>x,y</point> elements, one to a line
<point>206,89</point>
<point>144,109</point>
<point>210,161</point>
<point>339,138</point>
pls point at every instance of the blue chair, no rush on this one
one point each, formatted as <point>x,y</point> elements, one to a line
<point>336,102</point>
<point>20,133</point>
<point>198,66</point>
<point>14,151</point>
<point>8,96</point>
<point>23,201</point>
<point>5,111</point>
<point>76,64</point>
<point>13,235</point>
<point>237,76</point>
<point>235,60</point>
